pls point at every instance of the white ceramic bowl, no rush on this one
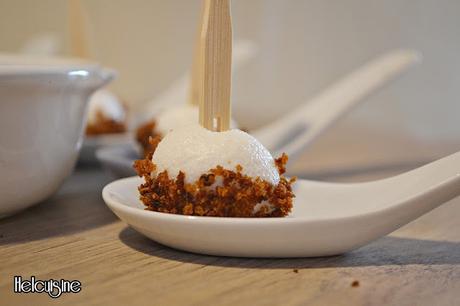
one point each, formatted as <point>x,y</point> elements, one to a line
<point>42,114</point>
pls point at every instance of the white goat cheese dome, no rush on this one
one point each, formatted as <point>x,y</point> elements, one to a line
<point>195,150</point>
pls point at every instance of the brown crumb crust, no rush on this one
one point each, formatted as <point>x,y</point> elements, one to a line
<point>147,137</point>
<point>235,197</point>
<point>105,125</point>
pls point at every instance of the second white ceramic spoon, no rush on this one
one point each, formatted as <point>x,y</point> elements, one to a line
<point>291,133</point>
<point>327,219</point>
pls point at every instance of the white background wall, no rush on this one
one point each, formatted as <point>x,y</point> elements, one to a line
<point>304,46</point>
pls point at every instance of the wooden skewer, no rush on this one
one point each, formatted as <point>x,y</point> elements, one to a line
<point>216,62</point>
<point>78,41</point>
<point>195,73</point>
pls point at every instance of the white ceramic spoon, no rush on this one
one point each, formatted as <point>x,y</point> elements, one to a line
<point>291,133</point>
<point>327,219</point>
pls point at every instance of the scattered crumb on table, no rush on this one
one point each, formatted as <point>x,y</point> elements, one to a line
<point>295,271</point>
<point>355,284</point>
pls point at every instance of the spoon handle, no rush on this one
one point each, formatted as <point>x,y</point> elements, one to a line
<point>398,200</point>
<point>440,178</point>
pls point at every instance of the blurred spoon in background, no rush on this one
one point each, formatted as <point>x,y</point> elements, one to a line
<point>294,131</point>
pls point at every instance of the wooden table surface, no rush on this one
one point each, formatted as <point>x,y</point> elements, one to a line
<point>73,235</point>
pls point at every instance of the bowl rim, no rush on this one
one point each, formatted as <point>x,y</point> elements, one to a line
<point>13,64</point>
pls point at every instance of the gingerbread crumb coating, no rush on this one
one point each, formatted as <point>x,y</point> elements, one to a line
<point>147,137</point>
<point>236,195</point>
<point>105,125</point>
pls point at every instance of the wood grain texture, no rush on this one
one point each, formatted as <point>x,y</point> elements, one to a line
<point>216,61</point>
<point>73,235</point>
<point>196,71</point>
<point>77,30</point>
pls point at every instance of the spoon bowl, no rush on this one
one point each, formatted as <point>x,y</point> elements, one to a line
<point>327,218</point>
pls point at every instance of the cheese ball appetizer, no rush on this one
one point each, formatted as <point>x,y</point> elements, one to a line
<point>195,171</point>
<point>106,114</point>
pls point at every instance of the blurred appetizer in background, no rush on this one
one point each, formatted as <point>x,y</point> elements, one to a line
<point>106,114</point>
<point>150,133</point>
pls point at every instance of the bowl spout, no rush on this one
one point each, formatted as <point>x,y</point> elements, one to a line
<point>91,80</point>
<point>103,77</point>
